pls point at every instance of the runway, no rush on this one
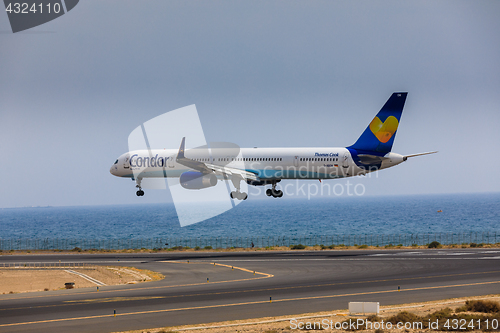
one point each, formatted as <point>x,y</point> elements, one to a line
<point>297,282</point>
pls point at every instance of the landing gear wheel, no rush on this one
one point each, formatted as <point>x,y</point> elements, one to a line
<point>277,193</point>
<point>238,195</point>
<point>139,192</point>
<point>274,192</point>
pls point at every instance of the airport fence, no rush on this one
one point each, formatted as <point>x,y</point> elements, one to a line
<point>249,242</point>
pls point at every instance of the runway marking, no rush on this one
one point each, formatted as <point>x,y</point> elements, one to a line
<point>118,299</point>
<point>114,299</point>
<point>246,303</point>
<point>372,258</point>
<point>255,290</point>
<point>86,277</point>
<point>264,276</point>
<point>223,265</point>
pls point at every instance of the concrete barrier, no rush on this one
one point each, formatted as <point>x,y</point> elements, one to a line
<point>363,307</point>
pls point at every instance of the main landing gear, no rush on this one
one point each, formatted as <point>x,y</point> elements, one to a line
<point>237,194</point>
<point>273,192</point>
<point>140,192</point>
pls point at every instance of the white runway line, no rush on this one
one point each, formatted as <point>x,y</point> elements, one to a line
<point>135,274</point>
<point>86,277</point>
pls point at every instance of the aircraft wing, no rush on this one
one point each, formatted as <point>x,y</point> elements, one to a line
<point>228,172</point>
<point>209,168</point>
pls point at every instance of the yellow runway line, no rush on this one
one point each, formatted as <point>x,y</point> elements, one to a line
<point>223,265</point>
<point>245,303</point>
<point>248,279</point>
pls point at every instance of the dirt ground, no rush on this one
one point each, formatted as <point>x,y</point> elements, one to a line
<point>283,324</point>
<point>25,279</point>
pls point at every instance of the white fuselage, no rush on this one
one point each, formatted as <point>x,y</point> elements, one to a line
<point>266,163</point>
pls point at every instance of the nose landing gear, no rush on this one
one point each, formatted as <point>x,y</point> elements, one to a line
<point>140,192</point>
<point>274,192</point>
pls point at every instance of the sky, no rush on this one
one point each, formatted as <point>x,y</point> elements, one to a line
<point>261,73</point>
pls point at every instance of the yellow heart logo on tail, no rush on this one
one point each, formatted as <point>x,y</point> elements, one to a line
<point>384,130</point>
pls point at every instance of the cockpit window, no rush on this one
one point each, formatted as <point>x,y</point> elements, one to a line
<point>116,162</point>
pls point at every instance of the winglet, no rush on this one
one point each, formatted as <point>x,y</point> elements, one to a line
<point>180,154</point>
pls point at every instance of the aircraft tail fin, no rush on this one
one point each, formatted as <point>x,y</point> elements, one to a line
<point>380,133</point>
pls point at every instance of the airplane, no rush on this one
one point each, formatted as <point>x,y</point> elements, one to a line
<point>203,168</point>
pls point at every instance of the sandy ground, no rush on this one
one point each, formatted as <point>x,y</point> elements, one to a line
<point>24,279</point>
<point>284,324</point>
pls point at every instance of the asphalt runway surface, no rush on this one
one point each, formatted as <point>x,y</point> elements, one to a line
<point>297,281</point>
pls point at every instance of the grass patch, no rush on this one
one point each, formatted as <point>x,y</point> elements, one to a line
<point>434,245</point>
<point>447,320</point>
<point>297,247</point>
<point>480,306</point>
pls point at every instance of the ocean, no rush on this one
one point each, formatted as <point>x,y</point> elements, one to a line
<point>384,215</point>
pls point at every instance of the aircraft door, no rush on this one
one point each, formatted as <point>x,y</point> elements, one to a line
<point>126,163</point>
<point>296,161</point>
<point>345,162</point>
<point>170,162</point>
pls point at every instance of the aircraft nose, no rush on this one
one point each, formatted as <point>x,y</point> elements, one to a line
<point>113,170</point>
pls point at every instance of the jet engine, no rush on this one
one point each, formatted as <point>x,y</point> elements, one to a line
<point>193,180</point>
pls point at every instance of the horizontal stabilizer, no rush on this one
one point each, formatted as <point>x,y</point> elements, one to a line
<point>371,159</point>
<point>413,155</point>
